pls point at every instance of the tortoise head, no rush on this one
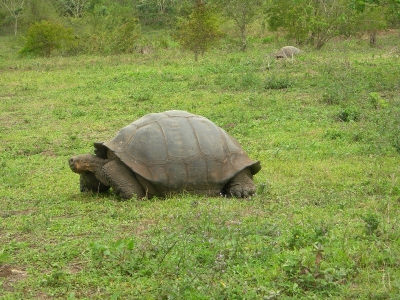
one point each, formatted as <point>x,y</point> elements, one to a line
<point>81,163</point>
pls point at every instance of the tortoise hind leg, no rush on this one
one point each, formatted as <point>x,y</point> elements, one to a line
<point>241,186</point>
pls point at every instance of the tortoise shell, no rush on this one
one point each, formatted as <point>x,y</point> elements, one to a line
<point>176,150</point>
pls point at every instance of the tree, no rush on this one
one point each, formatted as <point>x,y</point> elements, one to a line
<point>393,12</point>
<point>15,8</point>
<point>242,13</point>
<point>327,19</point>
<point>73,8</point>
<point>38,10</point>
<point>315,21</point>
<point>161,12</point>
<point>293,16</point>
<point>375,20</point>
<point>372,17</point>
<point>199,31</point>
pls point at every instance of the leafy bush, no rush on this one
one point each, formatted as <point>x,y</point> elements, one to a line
<point>123,37</point>
<point>44,37</point>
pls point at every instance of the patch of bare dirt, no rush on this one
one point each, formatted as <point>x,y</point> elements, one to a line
<point>7,214</point>
<point>11,275</point>
<point>139,229</point>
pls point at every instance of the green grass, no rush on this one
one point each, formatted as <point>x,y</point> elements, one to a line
<point>325,223</point>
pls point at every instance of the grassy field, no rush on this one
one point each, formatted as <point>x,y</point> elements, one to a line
<point>324,224</point>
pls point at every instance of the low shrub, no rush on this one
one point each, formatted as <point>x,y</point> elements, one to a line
<point>44,37</point>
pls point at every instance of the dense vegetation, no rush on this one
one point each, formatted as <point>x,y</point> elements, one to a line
<point>325,126</point>
<point>111,27</point>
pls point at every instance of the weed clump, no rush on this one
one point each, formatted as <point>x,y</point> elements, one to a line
<point>277,82</point>
<point>333,96</point>
<point>349,114</point>
<point>371,223</point>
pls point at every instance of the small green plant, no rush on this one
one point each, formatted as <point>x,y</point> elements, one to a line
<point>306,271</point>
<point>332,96</point>
<point>44,37</point>
<point>377,101</point>
<point>267,39</point>
<point>247,81</point>
<point>333,134</point>
<point>56,278</point>
<point>298,239</point>
<point>349,114</point>
<point>119,251</point>
<point>371,223</point>
<point>396,143</point>
<point>3,256</point>
<point>141,96</point>
<point>122,258</point>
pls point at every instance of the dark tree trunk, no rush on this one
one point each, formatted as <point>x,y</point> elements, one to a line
<point>243,38</point>
<point>372,39</point>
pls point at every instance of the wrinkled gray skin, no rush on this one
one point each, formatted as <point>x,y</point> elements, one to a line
<point>89,183</point>
<point>98,175</point>
<point>168,153</point>
<point>287,52</point>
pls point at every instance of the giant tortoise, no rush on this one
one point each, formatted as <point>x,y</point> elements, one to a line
<point>287,52</point>
<point>168,153</point>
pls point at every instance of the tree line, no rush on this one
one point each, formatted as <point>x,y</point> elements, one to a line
<point>107,26</point>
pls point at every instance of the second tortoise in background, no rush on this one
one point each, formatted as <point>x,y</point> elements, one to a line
<point>287,52</point>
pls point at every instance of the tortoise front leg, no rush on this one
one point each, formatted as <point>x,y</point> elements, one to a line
<point>89,183</point>
<point>122,180</point>
<point>241,186</point>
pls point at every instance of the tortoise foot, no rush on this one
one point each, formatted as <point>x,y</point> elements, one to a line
<point>241,186</point>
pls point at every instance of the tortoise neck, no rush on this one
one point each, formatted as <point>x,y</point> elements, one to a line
<point>97,164</point>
